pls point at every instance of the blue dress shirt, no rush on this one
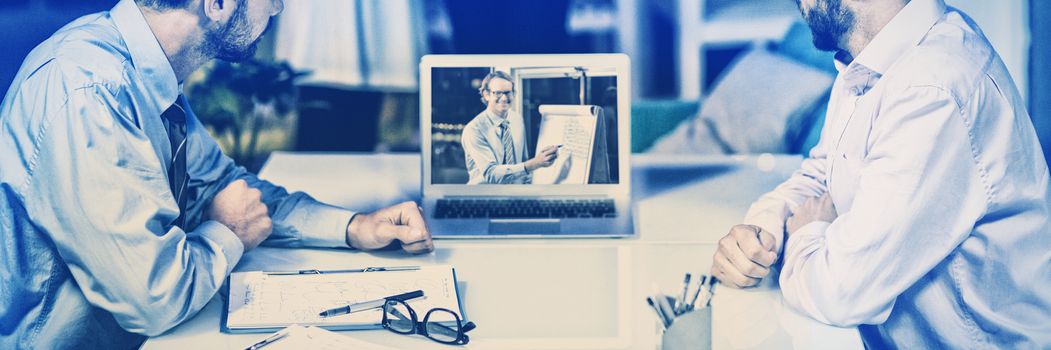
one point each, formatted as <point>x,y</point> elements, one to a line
<point>932,162</point>
<point>484,152</point>
<point>88,255</point>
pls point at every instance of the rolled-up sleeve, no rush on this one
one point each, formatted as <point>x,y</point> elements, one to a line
<point>299,220</point>
<point>770,210</point>
<point>97,189</point>
<point>917,198</point>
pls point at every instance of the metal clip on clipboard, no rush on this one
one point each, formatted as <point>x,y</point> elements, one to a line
<point>322,272</point>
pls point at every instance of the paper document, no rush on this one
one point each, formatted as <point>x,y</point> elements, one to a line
<point>261,301</point>
<point>298,338</point>
<point>572,127</point>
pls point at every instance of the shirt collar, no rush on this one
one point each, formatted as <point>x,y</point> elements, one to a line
<point>147,56</point>
<point>903,32</point>
<point>497,120</point>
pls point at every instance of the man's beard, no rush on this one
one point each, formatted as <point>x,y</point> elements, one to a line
<point>233,42</point>
<point>829,24</point>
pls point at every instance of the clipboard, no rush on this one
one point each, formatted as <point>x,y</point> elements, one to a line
<point>261,302</point>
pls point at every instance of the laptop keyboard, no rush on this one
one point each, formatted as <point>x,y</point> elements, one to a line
<point>524,208</point>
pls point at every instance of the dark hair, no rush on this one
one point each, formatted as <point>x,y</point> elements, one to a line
<point>164,4</point>
<point>488,78</point>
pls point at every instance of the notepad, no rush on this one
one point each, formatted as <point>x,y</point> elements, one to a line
<point>267,301</point>
<point>297,337</point>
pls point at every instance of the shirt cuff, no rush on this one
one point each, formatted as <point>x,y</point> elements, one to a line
<point>800,242</point>
<point>771,223</point>
<point>228,243</point>
<point>325,226</point>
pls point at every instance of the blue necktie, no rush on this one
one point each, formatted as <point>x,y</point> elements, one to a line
<point>509,145</point>
<point>175,123</point>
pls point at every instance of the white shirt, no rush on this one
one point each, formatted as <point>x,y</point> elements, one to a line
<point>933,164</point>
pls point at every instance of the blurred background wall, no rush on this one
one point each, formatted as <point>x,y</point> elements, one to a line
<point>361,55</point>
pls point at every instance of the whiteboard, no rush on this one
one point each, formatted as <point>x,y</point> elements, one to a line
<point>572,127</point>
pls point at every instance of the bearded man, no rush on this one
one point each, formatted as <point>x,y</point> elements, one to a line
<point>921,217</point>
<point>119,215</point>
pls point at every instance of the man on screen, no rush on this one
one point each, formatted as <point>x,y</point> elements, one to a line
<point>488,143</point>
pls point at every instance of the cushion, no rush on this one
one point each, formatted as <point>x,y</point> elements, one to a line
<point>763,100</point>
<point>651,119</point>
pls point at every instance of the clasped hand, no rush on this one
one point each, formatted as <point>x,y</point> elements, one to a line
<point>814,209</point>
<point>746,254</point>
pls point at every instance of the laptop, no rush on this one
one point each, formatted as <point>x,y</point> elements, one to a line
<point>539,149</point>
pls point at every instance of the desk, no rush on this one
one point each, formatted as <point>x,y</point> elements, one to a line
<point>553,294</point>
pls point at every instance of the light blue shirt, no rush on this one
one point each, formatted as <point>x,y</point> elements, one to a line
<point>942,239</point>
<point>484,152</point>
<point>88,255</point>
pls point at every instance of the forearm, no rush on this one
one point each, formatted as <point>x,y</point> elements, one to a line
<point>298,220</point>
<point>149,279</point>
<point>502,174</point>
<point>772,209</point>
<point>301,221</point>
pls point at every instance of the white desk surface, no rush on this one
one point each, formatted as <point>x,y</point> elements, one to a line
<point>553,294</point>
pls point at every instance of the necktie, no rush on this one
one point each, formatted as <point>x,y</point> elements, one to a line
<point>509,145</point>
<point>175,123</point>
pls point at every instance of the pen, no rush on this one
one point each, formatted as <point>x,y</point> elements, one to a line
<point>272,338</point>
<point>711,291</point>
<point>367,269</point>
<point>660,315</point>
<point>371,304</point>
<point>680,304</point>
<point>662,303</point>
<point>696,293</point>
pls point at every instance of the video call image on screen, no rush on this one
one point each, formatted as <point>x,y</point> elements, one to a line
<point>524,125</point>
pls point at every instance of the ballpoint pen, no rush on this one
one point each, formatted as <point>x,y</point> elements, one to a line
<point>367,269</point>
<point>711,291</point>
<point>680,304</point>
<point>660,315</point>
<point>371,304</point>
<point>696,293</point>
<point>662,304</point>
<point>272,338</point>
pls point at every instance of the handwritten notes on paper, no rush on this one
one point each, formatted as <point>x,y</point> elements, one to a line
<point>573,127</point>
<point>298,338</point>
<point>259,300</point>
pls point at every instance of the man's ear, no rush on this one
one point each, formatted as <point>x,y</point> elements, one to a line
<point>216,10</point>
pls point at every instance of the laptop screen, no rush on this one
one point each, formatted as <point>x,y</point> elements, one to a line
<point>553,125</point>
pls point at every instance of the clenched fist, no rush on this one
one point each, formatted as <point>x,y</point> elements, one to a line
<point>239,207</point>
<point>744,257</point>
<point>402,223</point>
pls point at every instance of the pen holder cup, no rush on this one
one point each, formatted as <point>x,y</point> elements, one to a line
<point>692,330</point>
